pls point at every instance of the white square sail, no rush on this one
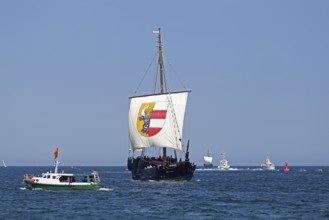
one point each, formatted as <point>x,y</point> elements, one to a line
<point>157,120</point>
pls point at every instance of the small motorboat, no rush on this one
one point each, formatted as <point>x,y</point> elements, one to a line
<point>224,164</point>
<point>63,181</point>
<point>267,164</point>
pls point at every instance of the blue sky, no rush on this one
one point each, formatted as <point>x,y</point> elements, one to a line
<point>258,71</point>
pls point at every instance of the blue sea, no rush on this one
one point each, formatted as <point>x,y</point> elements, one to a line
<point>239,193</point>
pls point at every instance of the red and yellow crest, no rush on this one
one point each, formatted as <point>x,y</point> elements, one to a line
<point>151,118</point>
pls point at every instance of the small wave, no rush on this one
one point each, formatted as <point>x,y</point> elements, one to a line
<point>111,172</point>
<point>232,169</point>
<point>302,170</point>
<point>319,170</point>
<point>106,189</point>
<point>206,169</point>
<point>257,169</point>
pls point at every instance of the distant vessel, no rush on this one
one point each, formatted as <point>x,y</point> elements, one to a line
<point>267,164</point>
<point>286,168</point>
<point>156,124</point>
<point>4,164</point>
<point>224,164</point>
<point>63,181</point>
<point>207,160</point>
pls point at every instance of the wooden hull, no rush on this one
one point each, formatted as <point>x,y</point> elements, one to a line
<point>208,165</point>
<point>177,171</point>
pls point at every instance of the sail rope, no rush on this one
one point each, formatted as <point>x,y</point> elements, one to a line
<point>72,167</point>
<point>175,123</point>
<point>164,79</point>
<point>156,84</point>
<point>180,81</point>
<point>148,68</point>
<point>156,79</point>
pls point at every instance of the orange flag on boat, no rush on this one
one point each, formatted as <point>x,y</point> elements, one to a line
<point>56,153</point>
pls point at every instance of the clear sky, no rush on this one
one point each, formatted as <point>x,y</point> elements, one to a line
<point>258,71</point>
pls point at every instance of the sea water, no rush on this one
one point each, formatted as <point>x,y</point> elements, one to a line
<point>239,193</point>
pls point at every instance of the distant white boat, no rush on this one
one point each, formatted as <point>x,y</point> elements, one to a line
<point>267,164</point>
<point>4,164</point>
<point>224,164</point>
<point>207,160</point>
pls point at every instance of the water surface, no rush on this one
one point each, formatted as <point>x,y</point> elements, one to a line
<point>240,193</point>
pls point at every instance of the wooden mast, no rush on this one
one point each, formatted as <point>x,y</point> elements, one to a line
<point>162,82</point>
<point>160,61</point>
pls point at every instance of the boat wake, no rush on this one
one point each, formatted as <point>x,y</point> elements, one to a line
<point>106,189</point>
<point>25,188</point>
<point>256,169</point>
<point>229,169</point>
<point>206,169</point>
<point>232,169</point>
<point>302,170</point>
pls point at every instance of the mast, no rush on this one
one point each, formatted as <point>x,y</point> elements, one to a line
<point>160,61</point>
<point>56,165</point>
<point>162,83</point>
<point>56,159</point>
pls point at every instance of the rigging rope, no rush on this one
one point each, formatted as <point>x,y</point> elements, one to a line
<point>175,123</point>
<point>156,79</point>
<point>172,68</point>
<point>72,167</point>
<point>145,73</point>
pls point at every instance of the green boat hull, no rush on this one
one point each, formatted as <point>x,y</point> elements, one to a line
<point>63,187</point>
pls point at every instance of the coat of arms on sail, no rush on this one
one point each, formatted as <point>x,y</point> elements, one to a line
<point>151,118</point>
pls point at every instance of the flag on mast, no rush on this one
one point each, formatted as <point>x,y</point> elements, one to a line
<point>156,32</point>
<point>56,153</point>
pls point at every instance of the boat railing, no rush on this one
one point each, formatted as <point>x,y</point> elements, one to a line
<point>96,177</point>
<point>27,176</point>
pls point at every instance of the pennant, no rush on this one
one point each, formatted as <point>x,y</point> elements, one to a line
<point>56,153</point>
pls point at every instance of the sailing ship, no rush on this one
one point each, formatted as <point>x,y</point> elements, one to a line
<point>224,164</point>
<point>207,160</point>
<point>156,123</point>
<point>267,164</point>
<point>63,181</point>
